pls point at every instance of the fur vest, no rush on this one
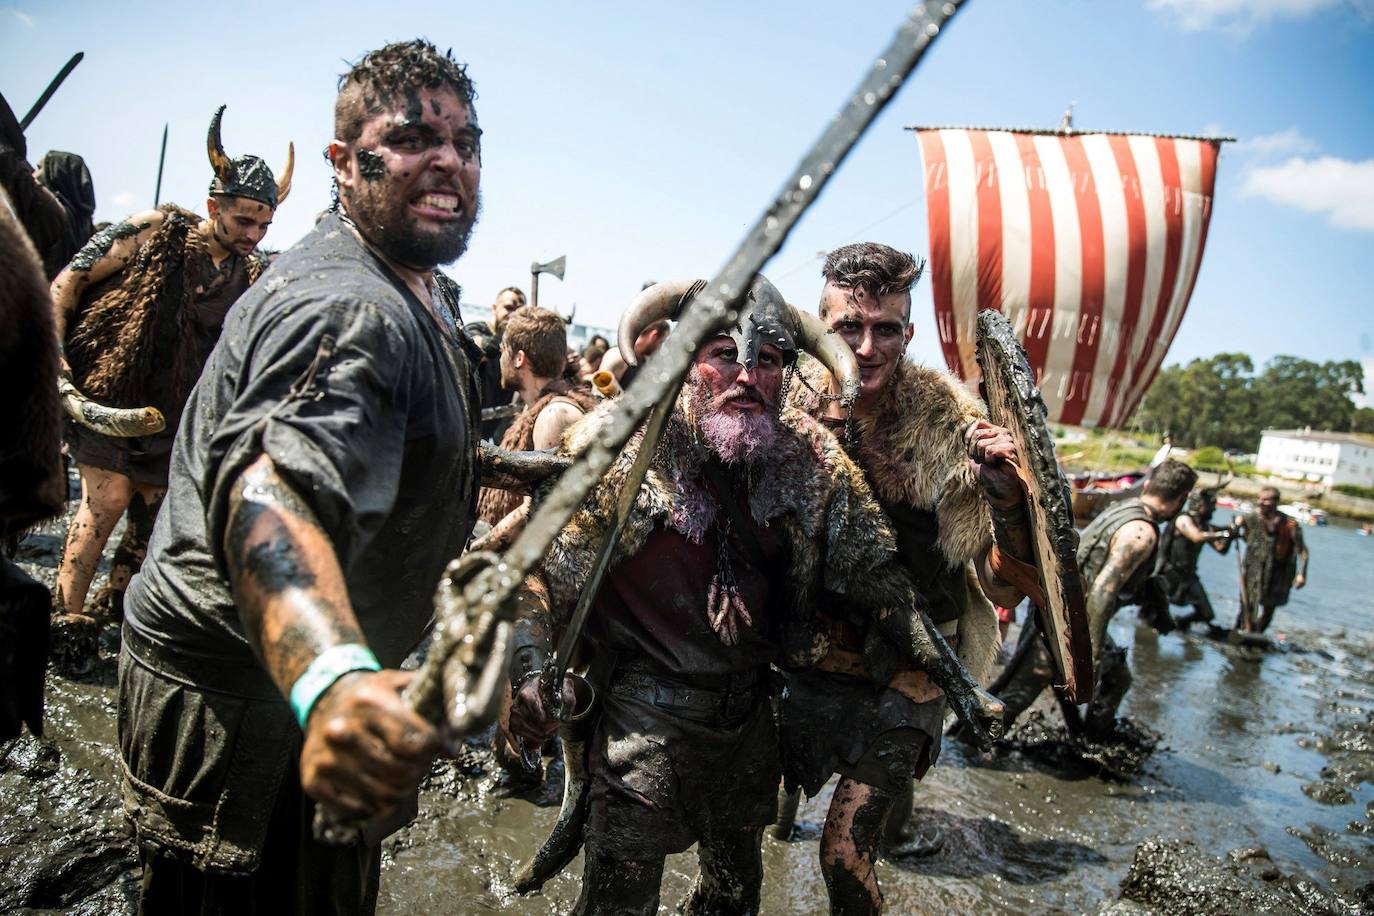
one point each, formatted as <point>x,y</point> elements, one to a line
<point>113,347</point>
<point>838,537</point>
<point>493,504</point>
<point>912,452</point>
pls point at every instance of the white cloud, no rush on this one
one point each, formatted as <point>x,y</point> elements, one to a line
<point>1342,190</point>
<point>124,199</point>
<point>1243,15</point>
<point>1288,141</point>
<point>24,18</point>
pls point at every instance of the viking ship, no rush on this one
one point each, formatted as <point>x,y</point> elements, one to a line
<point>1089,242</point>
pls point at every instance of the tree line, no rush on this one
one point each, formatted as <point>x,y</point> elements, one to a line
<point>1223,401</point>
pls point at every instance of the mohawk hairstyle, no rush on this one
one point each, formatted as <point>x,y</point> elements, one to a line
<point>383,75</point>
<point>877,269</point>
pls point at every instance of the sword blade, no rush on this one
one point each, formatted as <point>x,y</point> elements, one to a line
<point>52,87</point>
<point>161,161</point>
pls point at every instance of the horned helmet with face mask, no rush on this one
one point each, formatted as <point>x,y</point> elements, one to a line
<point>246,176</point>
<point>764,318</point>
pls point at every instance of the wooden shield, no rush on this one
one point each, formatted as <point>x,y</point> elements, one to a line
<point>1014,402</point>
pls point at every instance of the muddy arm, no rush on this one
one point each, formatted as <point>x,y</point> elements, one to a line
<point>1130,547</point>
<point>508,470</point>
<point>916,637</point>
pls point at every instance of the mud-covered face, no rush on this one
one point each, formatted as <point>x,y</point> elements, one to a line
<point>877,329</point>
<point>238,224</point>
<point>735,389</point>
<point>411,180</point>
<point>1268,502</point>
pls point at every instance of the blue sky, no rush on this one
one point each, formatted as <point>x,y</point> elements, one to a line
<point>641,140</point>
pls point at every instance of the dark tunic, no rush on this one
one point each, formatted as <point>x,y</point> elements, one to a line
<point>1271,560</point>
<point>331,367</point>
<point>145,459</point>
<point>685,747</point>
<point>1094,545</point>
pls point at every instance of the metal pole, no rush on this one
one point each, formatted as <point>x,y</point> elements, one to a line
<point>62,74</point>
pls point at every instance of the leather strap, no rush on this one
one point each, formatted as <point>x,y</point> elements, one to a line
<point>1022,575</point>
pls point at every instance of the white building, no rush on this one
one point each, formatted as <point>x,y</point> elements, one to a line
<point>1325,458</point>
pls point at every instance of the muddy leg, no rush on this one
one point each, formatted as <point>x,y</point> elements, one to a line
<point>618,887</point>
<point>730,875</point>
<point>108,604</point>
<point>1027,682</point>
<point>1266,617</point>
<point>849,846</point>
<point>1113,680</point>
<point>104,497</point>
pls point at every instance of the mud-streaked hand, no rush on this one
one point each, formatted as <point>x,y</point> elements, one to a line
<point>365,749</point>
<point>992,452</point>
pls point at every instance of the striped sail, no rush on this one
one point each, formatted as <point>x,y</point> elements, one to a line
<point>1089,242</point>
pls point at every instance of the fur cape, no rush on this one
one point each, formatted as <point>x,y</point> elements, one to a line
<point>113,346</point>
<point>912,452</point>
<point>839,538</point>
<point>494,504</point>
<point>33,482</point>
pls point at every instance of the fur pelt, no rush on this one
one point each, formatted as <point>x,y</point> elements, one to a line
<point>113,346</point>
<point>839,538</point>
<point>33,484</point>
<point>495,504</point>
<point>912,451</point>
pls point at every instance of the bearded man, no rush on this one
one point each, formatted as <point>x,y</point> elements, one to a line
<point>1116,555</point>
<point>323,476</point>
<point>1180,545</point>
<point>944,476</point>
<point>744,518</point>
<point>140,308</point>
<point>1271,568</point>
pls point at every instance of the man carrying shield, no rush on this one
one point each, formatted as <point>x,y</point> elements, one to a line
<point>943,475</point>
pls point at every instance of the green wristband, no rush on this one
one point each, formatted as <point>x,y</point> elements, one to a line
<point>330,665</point>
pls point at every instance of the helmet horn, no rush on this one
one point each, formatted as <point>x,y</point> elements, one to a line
<point>284,182</point>
<point>657,302</point>
<point>219,160</point>
<point>824,342</point>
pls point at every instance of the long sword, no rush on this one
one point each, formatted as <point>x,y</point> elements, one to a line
<point>474,606</point>
<point>52,87</point>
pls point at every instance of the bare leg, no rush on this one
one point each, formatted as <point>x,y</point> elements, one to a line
<point>1266,618</point>
<point>730,875</point>
<point>108,604</point>
<point>104,497</point>
<point>849,846</point>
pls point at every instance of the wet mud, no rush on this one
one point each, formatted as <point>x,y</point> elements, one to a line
<point>1245,785</point>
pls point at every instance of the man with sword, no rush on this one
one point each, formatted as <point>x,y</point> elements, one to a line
<point>746,516</point>
<point>945,477</point>
<point>139,308</point>
<point>323,476</point>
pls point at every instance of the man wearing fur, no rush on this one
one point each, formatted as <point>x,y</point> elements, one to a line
<point>532,362</point>
<point>322,478</point>
<point>140,307</point>
<point>943,476</point>
<point>1116,555</point>
<point>744,516</point>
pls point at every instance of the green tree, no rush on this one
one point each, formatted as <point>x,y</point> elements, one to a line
<point>1294,393</point>
<point>1362,421</point>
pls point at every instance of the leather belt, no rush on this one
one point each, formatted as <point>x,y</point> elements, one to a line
<point>732,696</point>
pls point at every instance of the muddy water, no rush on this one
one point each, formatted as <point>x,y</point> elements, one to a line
<point>1267,755</point>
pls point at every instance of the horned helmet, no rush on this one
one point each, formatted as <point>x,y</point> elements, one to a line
<point>246,176</point>
<point>764,317</point>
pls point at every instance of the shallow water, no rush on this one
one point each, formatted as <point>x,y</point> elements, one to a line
<point>1246,736</point>
<point>1242,733</point>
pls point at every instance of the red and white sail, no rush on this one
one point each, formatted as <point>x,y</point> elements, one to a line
<point>1089,242</point>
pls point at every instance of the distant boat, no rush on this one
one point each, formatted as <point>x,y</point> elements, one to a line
<point>1093,491</point>
<point>1307,515</point>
